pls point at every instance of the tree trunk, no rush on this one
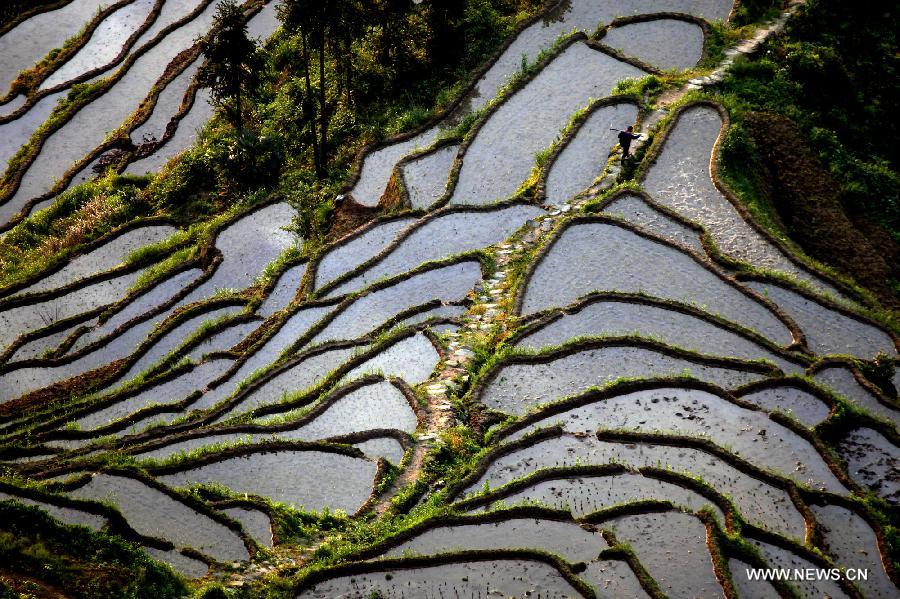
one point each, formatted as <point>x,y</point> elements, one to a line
<point>310,102</point>
<point>239,112</point>
<point>323,110</point>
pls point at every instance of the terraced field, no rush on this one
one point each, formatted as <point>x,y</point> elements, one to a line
<point>657,393</point>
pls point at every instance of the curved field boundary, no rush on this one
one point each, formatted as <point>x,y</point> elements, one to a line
<point>107,312</point>
<point>581,345</point>
<point>801,384</point>
<point>863,511</point>
<point>185,499</point>
<point>852,364</point>
<point>409,563</point>
<point>655,151</point>
<point>109,81</point>
<point>819,299</point>
<point>356,233</point>
<point>49,430</point>
<point>733,520</point>
<point>513,85</point>
<point>712,542</point>
<point>335,376</point>
<point>741,275</point>
<point>795,490</point>
<point>250,503</point>
<point>23,84</point>
<point>529,511</point>
<point>506,94</point>
<point>403,235</point>
<point>397,192</point>
<point>142,150</point>
<point>117,522</point>
<point>797,493</point>
<point>626,387</point>
<point>735,524</point>
<point>321,406</point>
<point>274,447</point>
<point>537,321</point>
<point>713,254</point>
<point>550,7</point>
<point>111,310</point>
<point>594,44</point>
<point>108,373</point>
<point>12,181</point>
<point>118,140</point>
<point>867,386</point>
<point>817,558</point>
<point>661,16</point>
<point>574,127</point>
<point>60,261</point>
<point>59,356</point>
<point>277,321</point>
<point>347,300</point>
<point>189,430</point>
<point>796,333</point>
<point>7,27</point>
<point>88,75</point>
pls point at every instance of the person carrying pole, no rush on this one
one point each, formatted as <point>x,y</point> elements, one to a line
<point>625,139</point>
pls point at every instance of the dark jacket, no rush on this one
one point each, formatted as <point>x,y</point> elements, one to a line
<point>625,139</point>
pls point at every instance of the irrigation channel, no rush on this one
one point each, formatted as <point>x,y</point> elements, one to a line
<point>668,394</point>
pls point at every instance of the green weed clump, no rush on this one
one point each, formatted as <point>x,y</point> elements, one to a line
<point>826,79</point>
<point>79,216</point>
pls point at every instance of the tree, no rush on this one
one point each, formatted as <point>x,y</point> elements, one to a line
<point>322,26</point>
<point>445,19</point>
<point>232,63</point>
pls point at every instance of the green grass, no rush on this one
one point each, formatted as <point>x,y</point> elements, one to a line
<point>84,563</point>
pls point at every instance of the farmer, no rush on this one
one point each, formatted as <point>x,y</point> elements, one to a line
<point>625,138</point>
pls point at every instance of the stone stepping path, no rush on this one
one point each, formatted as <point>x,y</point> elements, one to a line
<point>579,15</point>
<point>577,166</point>
<point>438,238</point>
